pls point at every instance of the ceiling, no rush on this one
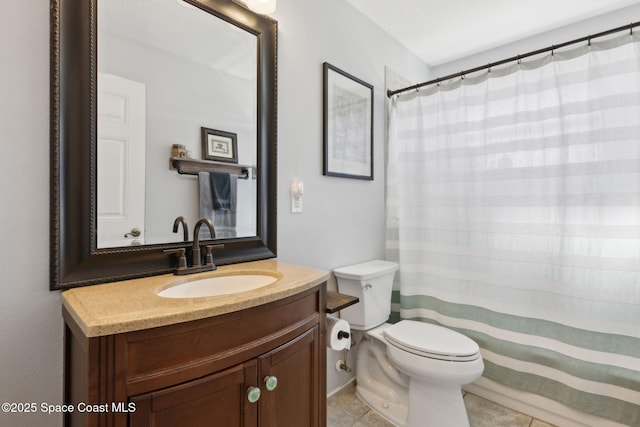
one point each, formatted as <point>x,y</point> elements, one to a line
<point>440,31</point>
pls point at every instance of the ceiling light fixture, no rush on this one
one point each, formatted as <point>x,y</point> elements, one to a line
<point>262,6</point>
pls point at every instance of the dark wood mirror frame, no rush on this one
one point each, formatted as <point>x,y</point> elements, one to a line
<point>75,259</point>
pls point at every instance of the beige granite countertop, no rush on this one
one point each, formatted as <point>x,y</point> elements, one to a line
<point>133,305</point>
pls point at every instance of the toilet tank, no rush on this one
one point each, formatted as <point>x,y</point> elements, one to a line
<point>372,282</point>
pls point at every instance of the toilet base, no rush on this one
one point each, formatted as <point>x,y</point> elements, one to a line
<point>412,391</point>
<point>393,412</point>
<point>429,407</point>
<point>436,406</point>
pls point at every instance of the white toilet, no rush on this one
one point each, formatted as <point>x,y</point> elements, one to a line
<point>410,372</point>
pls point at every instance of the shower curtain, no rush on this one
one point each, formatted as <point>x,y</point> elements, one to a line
<point>513,208</point>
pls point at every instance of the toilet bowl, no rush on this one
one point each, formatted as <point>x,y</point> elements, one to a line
<point>411,372</point>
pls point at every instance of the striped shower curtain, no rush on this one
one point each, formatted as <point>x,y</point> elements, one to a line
<point>513,208</point>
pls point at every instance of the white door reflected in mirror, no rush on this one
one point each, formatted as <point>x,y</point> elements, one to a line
<point>121,161</point>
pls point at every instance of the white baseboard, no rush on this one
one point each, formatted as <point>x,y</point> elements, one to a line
<point>536,406</point>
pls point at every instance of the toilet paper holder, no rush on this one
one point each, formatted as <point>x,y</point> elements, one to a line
<point>343,334</point>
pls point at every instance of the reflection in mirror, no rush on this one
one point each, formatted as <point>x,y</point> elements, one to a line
<point>158,86</point>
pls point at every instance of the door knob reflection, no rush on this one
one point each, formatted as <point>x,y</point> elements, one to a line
<point>135,232</point>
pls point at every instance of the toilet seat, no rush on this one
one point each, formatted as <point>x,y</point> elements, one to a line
<point>432,341</point>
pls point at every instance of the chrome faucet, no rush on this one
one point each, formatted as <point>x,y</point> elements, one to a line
<point>185,228</point>
<point>196,264</point>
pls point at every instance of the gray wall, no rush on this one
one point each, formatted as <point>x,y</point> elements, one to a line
<point>30,321</point>
<point>342,221</point>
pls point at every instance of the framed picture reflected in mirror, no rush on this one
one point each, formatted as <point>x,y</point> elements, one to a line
<point>219,145</point>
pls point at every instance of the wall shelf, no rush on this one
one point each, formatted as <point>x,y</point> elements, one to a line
<point>195,166</point>
<point>337,301</point>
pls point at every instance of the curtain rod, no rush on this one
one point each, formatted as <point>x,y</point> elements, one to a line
<point>551,48</point>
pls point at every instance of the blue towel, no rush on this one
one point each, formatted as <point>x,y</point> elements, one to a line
<point>221,190</point>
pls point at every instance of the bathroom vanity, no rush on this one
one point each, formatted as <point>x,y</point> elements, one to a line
<point>243,359</point>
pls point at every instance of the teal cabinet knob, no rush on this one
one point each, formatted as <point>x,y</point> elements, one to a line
<point>271,382</point>
<point>253,394</point>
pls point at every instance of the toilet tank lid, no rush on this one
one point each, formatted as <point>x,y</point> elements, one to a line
<point>366,270</point>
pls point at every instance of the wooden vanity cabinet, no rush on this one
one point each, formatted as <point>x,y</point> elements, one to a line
<point>199,373</point>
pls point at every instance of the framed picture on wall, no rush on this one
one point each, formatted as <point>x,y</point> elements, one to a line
<point>219,145</point>
<point>348,125</point>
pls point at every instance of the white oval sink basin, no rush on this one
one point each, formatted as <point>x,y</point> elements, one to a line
<point>216,286</point>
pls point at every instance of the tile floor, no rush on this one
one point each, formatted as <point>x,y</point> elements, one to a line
<point>345,409</point>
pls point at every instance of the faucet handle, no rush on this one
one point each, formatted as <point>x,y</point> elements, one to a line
<point>208,257</point>
<point>182,259</point>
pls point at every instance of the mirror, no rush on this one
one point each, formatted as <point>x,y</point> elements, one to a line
<point>87,44</point>
<point>159,86</point>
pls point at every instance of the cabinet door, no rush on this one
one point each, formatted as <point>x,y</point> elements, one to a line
<point>215,400</point>
<point>294,401</point>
